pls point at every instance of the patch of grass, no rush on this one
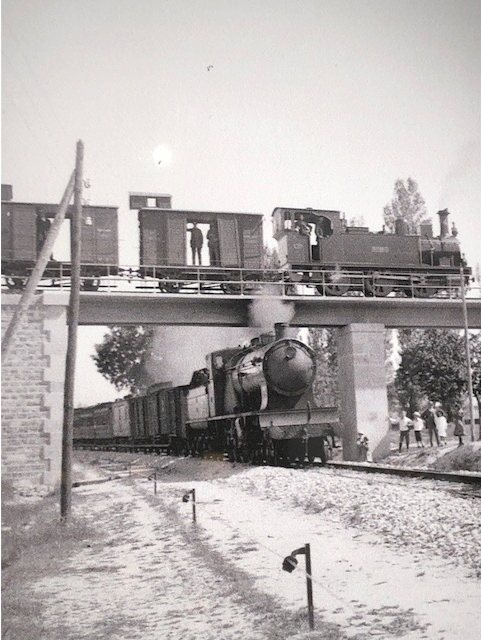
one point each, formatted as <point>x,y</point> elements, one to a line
<point>466,458</point>
<point>34,544</point>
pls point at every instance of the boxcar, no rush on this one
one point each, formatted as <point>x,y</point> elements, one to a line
<point>158,418</point>
<point>24,230</point>
<point>230,241</point>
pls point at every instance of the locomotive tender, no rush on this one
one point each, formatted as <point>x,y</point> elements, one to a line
<point>254,403</point>
<point>206,251</point>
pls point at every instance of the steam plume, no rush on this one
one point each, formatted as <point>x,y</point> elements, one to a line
<point>267,310</point>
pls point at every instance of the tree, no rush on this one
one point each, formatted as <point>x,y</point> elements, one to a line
<point>120,357</point>
<point>325,386</point>
<point>407,204</point>
<point>433,365</point>
<point>475,350</point>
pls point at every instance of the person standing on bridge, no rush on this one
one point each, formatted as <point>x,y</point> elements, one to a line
<point>213,244</point>
<point>196,242</point>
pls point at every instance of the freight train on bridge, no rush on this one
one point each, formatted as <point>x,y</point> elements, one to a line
<point>204,251</point>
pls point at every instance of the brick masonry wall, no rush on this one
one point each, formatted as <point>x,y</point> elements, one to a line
<point>32,392</point>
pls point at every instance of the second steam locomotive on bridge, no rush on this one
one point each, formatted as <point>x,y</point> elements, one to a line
<point>205,251</point>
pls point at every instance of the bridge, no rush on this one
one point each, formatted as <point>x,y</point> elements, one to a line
<point>97,308</point>
<point>33,378</point>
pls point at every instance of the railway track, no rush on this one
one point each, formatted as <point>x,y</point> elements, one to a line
<point>453,477</point>
<point>459,476</point>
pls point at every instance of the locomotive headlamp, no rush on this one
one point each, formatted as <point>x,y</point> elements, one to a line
<point>290,352</point>
<point>89,221</point>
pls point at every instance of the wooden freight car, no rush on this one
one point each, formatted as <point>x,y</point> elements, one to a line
<point>179,246</point>
<point>157,419</point>
<point>24,230</point>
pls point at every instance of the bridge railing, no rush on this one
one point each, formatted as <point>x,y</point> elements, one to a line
<point>202,280</point>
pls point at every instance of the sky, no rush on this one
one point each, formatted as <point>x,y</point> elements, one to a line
<point>264,103</point>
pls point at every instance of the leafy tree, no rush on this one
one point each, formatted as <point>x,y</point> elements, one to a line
<point>433,365</point>
<point>120,357</point>
<point>475,351</point>
<point>325,386</point>
<point>407,204</point>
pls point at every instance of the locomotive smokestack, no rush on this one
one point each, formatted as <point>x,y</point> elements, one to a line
<point>443,223</point>
<point>282,330</point>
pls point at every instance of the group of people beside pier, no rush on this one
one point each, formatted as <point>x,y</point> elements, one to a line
<point>434,420</point>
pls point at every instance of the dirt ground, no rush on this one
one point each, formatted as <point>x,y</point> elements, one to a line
<point>133,564</point>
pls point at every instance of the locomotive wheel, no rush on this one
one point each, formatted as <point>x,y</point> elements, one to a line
<point>16,283</point>
<point>421,290</point>
<point>378,285</point>
<point>231,287</point>
<point>169,287</point>
<point>90,284</point>
<point>337,283</point>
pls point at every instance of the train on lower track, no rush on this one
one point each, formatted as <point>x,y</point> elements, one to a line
<point>252,404</point>
<point>203,251</point>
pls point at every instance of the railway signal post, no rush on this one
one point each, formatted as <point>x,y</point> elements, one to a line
<point>289,565</point>
<point>185,499</point>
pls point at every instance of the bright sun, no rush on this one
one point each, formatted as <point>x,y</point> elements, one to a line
<point>162,155</point>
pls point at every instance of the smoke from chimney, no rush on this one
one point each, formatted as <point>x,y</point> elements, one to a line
<point>266,310</point>
<point>177,352</point>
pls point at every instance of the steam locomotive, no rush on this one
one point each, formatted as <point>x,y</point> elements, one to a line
<point>254,404</point>
<point>316,248</point>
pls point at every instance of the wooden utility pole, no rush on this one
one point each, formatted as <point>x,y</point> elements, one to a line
<point>37,272</point>
<point>73,316</point>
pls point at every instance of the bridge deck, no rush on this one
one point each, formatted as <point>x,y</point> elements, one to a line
<point>300,311</point>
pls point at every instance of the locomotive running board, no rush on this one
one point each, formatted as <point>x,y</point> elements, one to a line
<point>299,423</point>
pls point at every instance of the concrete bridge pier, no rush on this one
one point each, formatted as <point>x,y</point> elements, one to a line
<point>362,388</point>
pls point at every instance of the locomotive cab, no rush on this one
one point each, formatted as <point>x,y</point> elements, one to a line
<point>299,232</point>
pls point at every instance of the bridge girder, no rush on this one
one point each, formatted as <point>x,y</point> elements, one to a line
<point>97,308</point>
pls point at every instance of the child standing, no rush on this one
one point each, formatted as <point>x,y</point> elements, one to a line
<point>418,425</point>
